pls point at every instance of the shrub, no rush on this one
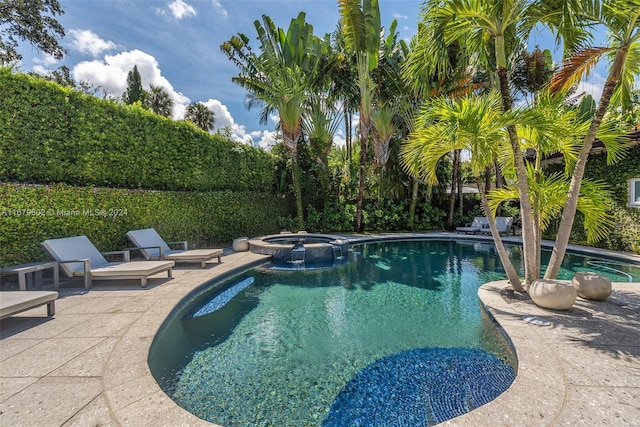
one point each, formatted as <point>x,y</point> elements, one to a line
<point>53,134</point>
<point>30,214</point>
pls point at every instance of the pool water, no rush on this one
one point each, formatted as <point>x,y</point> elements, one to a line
<point>282,351</point>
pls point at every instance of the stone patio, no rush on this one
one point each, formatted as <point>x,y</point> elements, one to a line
<point>87,366</point>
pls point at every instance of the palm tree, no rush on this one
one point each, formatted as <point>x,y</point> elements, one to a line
<point>282,78</point>
<point>492,30</point>
<point>472,123</point>
<point>344,87</point>
<point>551,192</point>
<point>621,18</point>
<point>383,129</point>
<point>320,124</point>
<point>158,100</point>
<point>201,115</point>
<point>361,28</point>
<point>478,125</point>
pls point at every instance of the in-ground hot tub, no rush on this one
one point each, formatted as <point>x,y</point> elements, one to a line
<point>302,249</point>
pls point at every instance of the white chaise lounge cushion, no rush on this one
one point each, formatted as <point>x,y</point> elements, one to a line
<point>131,269</point>
<point>149,242</point>
<point>80,247</point>
<point>478,224</point>
<point>71,248</point>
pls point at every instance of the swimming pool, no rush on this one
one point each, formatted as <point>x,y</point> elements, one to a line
<point>285,348</point>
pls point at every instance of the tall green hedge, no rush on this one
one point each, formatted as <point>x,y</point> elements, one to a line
<point>30,214</point>
<point>52,134</point>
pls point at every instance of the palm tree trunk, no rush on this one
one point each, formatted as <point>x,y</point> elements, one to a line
<point>364,136</point>
<point>429,196</point>
<point>347,131</point>
<point>291,141</point>
<point>454,184</point>
<point>414,202</point>
<point>509,269</point>
<point>487,180</point>
<point>526,213</point>
<point>499,182</point>
<point>460,188</point>
<point>536,216</point>
<point>569,212</point>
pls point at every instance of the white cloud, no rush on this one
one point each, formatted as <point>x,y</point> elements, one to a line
<point>396,15</point>
<point>223,119</point>
<point>179,9</point>
<point>43,65</point>
<point>266,139</point>
<point>339,139</point>
<point>86,41</point>
<point>110,75</point>
<point>45,61</point>
<point>219,8</point>
<point>593,88</point>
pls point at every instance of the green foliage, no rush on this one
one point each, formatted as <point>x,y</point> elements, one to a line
<point>31,214</point>
<point>203,117</point>
<point>158,101</point>
<point>429,217</point>
<point>379,215</point>
<point>33,21</point>
<point>337,215</point>
<point>624,235</point>
<point>135,92</point>
<point>51,134</point>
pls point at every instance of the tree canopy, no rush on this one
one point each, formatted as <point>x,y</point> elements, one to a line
<point>134,91</point>
<point>32,21</point>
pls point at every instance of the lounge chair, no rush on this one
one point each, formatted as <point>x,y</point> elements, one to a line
<point>476,226</point>
<point>152,246</point>
<point>13,302</point>
<point>503,224</point>
<point>77,256</point>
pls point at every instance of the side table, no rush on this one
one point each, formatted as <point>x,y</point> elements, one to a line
<point>33,267</point>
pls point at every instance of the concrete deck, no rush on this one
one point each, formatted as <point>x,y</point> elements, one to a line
<point>87,366</point>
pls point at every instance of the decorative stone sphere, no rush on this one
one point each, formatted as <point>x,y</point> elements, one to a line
<point>241,244</point>
<point>592,285</point>
<point>553,294</point>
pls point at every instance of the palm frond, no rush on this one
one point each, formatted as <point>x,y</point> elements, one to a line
<point>630,74</point>
<point>614,140</point>
<point>575,67</point>
<point>594,203</point>
<point>352,24</point>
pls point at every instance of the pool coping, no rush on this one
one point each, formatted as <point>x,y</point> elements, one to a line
<point>88,365</point>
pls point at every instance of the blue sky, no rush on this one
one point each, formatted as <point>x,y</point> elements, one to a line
<point>175,44</point>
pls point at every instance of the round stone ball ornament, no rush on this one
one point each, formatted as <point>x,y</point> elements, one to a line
<point>592,286</point>
<point>553,294</point>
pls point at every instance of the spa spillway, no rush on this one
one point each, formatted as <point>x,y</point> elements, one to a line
<point>296,250</point>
